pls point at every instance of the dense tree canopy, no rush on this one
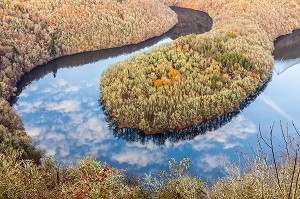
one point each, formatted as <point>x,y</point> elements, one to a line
<point>199,77</point>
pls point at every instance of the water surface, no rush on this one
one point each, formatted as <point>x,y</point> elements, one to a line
<point>59,105</point>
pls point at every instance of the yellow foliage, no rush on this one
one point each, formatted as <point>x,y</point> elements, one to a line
<point>172,73</point>
<point>254,75</point>
<point>158,83</point>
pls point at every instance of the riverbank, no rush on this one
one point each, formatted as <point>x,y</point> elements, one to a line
<point>50,39</point>
<point>33,34</point>
<point>89,177</point>
<point>42,36</point>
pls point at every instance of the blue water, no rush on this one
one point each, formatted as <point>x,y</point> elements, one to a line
<point>62,114</point>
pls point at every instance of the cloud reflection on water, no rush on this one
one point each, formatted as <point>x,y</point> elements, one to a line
<point>139,157</point>
<point>65,106</point>
<point>275,106</point>
<point>75,127</point>
<point>72,125</point>
<point>63,116</point>
<point>209,162</point>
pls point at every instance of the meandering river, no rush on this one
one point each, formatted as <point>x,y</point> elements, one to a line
<point>60,109</point>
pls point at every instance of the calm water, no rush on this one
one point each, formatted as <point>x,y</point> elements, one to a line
<point>59,105</point>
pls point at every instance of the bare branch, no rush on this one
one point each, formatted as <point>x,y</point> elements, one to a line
<point>261,150</point>
<point>285,142</point>
<point>271,146</point>
<point>263,139</point>
<point>273,156</point>
<point>295,129</point>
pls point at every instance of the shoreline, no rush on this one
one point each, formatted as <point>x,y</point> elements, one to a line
<point>248,40</point>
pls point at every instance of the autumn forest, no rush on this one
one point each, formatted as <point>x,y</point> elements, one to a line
<point>191,80</point>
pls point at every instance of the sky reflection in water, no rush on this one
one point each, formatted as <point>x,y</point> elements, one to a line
<point>61,112</point>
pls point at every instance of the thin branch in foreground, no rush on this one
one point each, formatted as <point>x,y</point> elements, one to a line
<point>263,139</point>
<point>271,146</point>
<point>285,142</point>
<point>295,129</point>
<point>261,150</point>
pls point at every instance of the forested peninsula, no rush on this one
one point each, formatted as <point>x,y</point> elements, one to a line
<point>190,80</point>
<point>198,78</point>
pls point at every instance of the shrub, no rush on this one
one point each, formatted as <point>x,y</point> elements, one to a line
<point>271,173</point>
<point>24,179</point>
<point>175,183</point>
<point>91,179</point>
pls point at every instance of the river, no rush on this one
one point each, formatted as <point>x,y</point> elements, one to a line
<point>60,109</point>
